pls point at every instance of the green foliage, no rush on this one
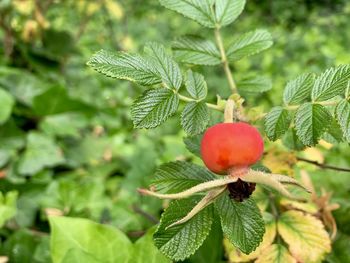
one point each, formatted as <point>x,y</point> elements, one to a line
<point>181,241</point>
<point>241,223</point>
<point>196,85</point>
<point>8,207</point>
<point>277,122</point>
<point>81,239</point>
<point>195,117</point>
<point>299,89</point>
<point>7,102</point>
<point>154,107</point>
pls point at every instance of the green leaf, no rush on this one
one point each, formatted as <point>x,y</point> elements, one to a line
<point>122,65</point>
<point>256,84</point>
<point>145,250</point>
<point>249,44</point>
<point>299,89</point>
<point>154,107</point>
<point>199,11</point>
<point>178,176</point>
<point>196,50</point>
<point>168,69</point>
<point>8,206</point>
<point>196,85</point>
<point>41,152</point>
<point>311,121</point>
<point>276,123</point>
<point>331,83</point>
<point>227,11</point>
<point>307,239</point>
<point>6,105</point>
<point>241,222</point>
<point>292,141</point>
<point>276,253</point>
<point>181,241</point>
<point>193,144</point>
<point>195,117</point>
<point>90,242</point>
<point>342,113</point>
<point>66,124</point>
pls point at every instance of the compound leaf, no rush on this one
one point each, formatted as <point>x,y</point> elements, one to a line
<point>277,122</point>
<point>195,117</point>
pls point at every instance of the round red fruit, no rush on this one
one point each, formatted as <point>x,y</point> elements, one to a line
<point>227,146</point>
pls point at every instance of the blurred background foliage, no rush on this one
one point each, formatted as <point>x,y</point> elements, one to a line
<point>67,145</point>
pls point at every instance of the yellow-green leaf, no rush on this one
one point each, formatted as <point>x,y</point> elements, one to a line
<point>276,254</point>
<point>307,239</point>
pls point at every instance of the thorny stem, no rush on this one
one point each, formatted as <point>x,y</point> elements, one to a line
<point>324,166</point>
<point>210,105</point>
<point>224,61</point>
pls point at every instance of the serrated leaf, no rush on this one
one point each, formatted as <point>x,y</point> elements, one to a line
<point>276,253</point>
<point>193,144</point>
<point>256,84</point>
<point>181,241</point>
<point>298,90</point>
<point>342,113</point>
<point>91,242</point>
<point>305,235</point>
<point>122,65</point>
<point>292,141</point>
<point>168,69</point>
<point>196,50</point>
<point>276,123</point>
<point>198,10</point>
<point>241,222</point>
<point>196,85</point>
<point>145,250</point>
<point>195,117</point>
<point>227,11</point>
<point>178,176</point>
<point>249,44</point>
<point>311,121</point>
<point>8,206</point>
<point>6,105</point>
<point>154,107</point>
<point>41,152</point>
<point>331,83</point>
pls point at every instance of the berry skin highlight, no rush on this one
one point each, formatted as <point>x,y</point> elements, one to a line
<point>228,146</point>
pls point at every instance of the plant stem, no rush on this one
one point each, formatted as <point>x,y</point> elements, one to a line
<point>324,103</point>
<point>324,166</point>
<point>224,61</point>
<point>209,105</point>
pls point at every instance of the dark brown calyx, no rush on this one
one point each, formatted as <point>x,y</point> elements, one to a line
<point>240,190</point>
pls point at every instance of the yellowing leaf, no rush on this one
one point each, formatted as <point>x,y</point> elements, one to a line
<point>25,7</point>
<point>307,239</point>
<point>280,162</point>
<point>276,254</point>
<point>115,9</point>
<point>313,154</point>
<point>306,207</point>
<point>235,255</point>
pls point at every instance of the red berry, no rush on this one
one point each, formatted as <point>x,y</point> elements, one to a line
<point>227,146</point>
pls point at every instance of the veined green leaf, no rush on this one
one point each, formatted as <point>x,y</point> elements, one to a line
<point>227,11</point>
<point>198,10</point>
<point>181,241</point>
<point>122,65</point>
<point>6,104</point>
<point>331,83</point>
<point>256,84</point>
<point>277,122</point>
<point>90,242</point>
<point>299,89</point>
<point>196,50</point>
<point>276,253</point>
<point>195,117</point>
<point>154,107</point>
<point>292,141</point>
<point>241,222</point>
<point>342,113</point>
<point>166,66</point>
<point>193,144</point>
<point>305,235</point>
<point>311,121</point>
<point>178,176</point>
<point>249,44</point>
<point>196,85</point>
